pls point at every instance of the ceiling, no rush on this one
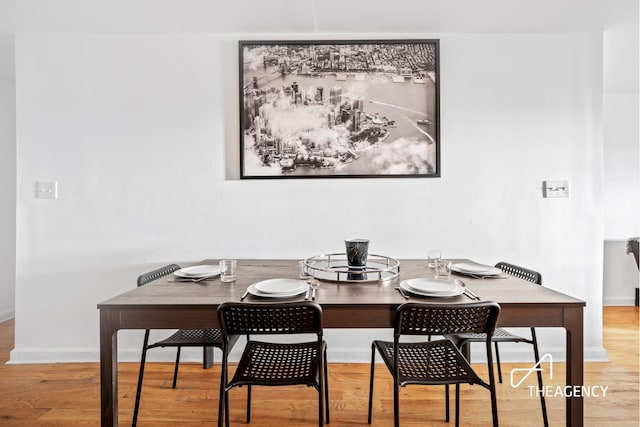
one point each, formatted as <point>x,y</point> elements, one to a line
<point>311,16</point>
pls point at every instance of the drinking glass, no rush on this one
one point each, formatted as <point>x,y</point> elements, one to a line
<point>302,271</point>
<point>443,269</point>
<point>432,256</point>
<point>228,269</point>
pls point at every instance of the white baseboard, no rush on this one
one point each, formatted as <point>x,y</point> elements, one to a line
<point>337,355</point>
<point>6,315</point>
<point>613,302</point>
<point>477,356</point>
<point>62,356</point>
<point>89,356</point>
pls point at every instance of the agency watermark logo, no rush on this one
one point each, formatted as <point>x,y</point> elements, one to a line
<point>553,391</point>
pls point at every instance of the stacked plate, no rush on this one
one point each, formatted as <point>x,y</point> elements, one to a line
<point>472,269</point>
<point>432,287</point>
<point>198,271</point>
<point>278,288</point>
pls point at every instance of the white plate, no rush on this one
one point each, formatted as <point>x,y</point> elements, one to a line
<point>198,271</point>
<point>280,286</point>
<point>457,290</point>
<point>478,269</point>
<point>253,291</point>
<point>432,286</point>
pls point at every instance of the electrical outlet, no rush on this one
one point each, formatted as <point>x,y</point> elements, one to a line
<point>554,189</point>
<point>46,189</point>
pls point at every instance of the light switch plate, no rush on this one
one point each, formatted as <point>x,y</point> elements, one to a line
<point>46,189</point>
<point>551,189</point>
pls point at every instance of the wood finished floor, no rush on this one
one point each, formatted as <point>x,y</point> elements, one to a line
<point>67,395</point>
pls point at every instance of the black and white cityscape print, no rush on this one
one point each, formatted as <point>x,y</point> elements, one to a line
<point>339,109</point>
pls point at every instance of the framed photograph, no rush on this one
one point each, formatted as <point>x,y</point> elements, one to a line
<point>339,109</point>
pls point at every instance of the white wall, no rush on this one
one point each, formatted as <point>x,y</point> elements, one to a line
<point>621,177</point>
<point>141,132</point>
<point>621,158</point>
<point>7,180</point>
<point>621,196</point>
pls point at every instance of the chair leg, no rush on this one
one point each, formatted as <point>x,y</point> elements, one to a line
<point>175,369</point>
<point>226,408</point>
<point>140,376</point>
<point>222,411</point>
<point>248,403</point>
<point>396,403</point>
<point>494,405</point>
<point>373,366</point>
<point>495,344</point>
<point>536,354</point>
<point>326,386</point>
<point>457,405</point>
<point>446,402</point>
<point>321,387</point>
<point>492,386</point>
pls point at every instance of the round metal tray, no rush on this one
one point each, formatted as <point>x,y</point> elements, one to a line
<point>333,267</point>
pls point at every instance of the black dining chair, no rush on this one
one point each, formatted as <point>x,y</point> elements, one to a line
<point>271,363</point>
<point>502,335</point>
<point>437,362</point>
<point>181,338</point>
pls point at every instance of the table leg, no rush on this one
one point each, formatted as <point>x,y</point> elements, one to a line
<point>108,369</point>
<point>207,357</point>
<point>573,324</point>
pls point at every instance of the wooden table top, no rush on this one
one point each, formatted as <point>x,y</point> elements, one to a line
<point>162,292</point>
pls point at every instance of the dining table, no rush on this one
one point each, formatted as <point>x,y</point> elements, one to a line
<point>169,304</point>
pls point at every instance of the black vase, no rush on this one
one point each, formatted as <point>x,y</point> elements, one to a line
<point>357,251</point>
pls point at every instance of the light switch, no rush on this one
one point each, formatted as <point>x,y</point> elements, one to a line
<point>46,189</point>
<point>555,188</point>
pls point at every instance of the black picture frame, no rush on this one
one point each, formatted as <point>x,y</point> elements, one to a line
<point>339,109</point>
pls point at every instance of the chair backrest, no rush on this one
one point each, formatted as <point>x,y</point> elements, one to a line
<point>441,319</point>
<point>270,318</point>
<point>521,272</point>
<point>145,278</point>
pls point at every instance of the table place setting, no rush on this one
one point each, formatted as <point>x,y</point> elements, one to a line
<point>427,287</point>
<point>195,274</point>
<point>441,284</point>
<point>478,271</point>
<point>434,288</point>
<point>278,288</point>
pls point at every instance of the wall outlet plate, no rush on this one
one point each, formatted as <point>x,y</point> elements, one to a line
<point>46,189</point>
<point>551,189</point>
